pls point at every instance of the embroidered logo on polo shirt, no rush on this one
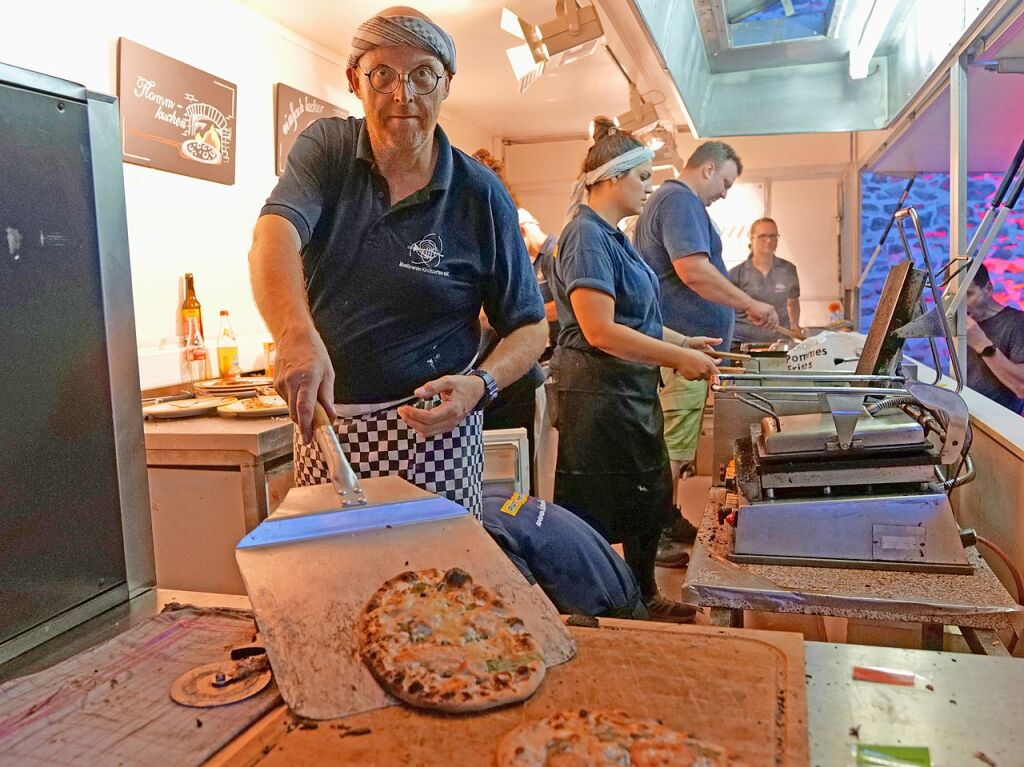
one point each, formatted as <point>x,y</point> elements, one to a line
<point>425,256</point>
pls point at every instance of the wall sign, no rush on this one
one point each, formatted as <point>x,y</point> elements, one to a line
<point>295,111</point>
<point>175,117</point>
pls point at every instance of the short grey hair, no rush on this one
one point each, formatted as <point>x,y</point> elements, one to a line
<point>717,152</point>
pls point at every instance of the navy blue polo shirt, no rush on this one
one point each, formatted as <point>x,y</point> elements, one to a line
<point>396,290</point>
<point>566,557</point>
<point>675,224</point>
<point>594,254</point>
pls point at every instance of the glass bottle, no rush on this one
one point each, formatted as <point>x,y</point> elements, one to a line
<point>227,349</point>
<point>195,353</point>
<point>191,307</point>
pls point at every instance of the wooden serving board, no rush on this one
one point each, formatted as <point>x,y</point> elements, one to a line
<point>741,689</point>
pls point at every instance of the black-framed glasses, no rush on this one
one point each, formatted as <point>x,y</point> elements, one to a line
<point>767,237</point>
<point>422,80</point>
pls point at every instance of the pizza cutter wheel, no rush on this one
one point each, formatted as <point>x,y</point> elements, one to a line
<point>217,684</point>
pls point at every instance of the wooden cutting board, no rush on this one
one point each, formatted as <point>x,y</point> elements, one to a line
<point>742,689</point>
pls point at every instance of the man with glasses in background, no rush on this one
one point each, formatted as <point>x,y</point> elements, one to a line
<point>371,261</point>
<point>766,277</point>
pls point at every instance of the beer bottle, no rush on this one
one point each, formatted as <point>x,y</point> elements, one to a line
<point>191,307</point>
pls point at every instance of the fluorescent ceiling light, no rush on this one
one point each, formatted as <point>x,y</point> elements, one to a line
<point>575,32</point>
<point>871,35</point>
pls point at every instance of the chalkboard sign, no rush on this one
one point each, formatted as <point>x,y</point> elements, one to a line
<point>294,112</point>
<point>175,117</point>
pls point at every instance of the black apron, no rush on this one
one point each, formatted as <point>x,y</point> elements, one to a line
<point>613,467</point>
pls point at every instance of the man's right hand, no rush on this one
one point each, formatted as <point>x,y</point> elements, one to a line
<point>304,375</point>
<point>694,365</point>
<point>763,315</point>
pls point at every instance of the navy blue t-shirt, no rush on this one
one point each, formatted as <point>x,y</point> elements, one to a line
<point>552,547</point>
<point>675,224</point>
<point>594,254</point>
<point>396,290</point>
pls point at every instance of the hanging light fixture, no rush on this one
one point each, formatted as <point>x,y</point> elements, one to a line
<point>575,32</point>
<point>641,117</point>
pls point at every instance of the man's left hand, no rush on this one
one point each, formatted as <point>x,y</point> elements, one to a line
<point>459,395</point>
<point>976,337</point>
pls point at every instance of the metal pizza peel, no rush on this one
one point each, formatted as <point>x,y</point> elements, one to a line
<point>310,568</point>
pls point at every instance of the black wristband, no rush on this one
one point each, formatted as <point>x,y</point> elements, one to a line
<point>490,388</point>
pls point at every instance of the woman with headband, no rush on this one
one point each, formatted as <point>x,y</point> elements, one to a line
<point>613,467</point>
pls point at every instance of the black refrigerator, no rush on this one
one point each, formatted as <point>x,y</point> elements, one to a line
<point>75,535</point>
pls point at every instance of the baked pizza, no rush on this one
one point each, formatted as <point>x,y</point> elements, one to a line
<point>581,738</point>
<point>263,403</point>
<point>436,640</point>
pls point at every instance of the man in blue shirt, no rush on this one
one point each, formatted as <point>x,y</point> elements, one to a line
<point>676,237</point>
<point>370,264</point>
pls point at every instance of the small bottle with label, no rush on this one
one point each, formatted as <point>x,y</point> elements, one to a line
<point>227,349</point>
<point>191,307</point>
<point>835,313</point>
<point>195,356</point>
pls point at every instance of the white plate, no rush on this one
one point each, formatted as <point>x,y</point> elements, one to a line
<point>244,407</point>
<point>245,383</point>
<point>186,407</point>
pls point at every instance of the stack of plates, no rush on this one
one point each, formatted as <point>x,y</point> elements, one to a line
<point>187,407</point>
<point>234,385</point>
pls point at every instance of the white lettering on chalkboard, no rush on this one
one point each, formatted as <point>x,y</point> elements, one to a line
<point>306,105</point>
<point>144,90</point>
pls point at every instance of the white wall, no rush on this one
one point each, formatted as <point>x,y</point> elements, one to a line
<point>801,176</point>
<point>176,223</point>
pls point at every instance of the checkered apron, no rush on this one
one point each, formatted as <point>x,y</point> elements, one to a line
<point>382,444</point>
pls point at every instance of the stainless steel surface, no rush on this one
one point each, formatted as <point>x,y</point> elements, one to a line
<point>808,376</point>
<point>879,529</point>
<point>75,520</point>
<point>310,577</point>
<point>343,478</point>
<point>953,414</point>
<point>307,512</point>
<point>797,389</point>
<point>121,342</point>
<point>846,410</point>
<point>109,624</point>
<point>937,298</point>
<point>62,622</point>
<point>960,705</point>
<point>815,432</point>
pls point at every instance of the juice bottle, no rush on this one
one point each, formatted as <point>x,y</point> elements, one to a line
<point>227,349</point>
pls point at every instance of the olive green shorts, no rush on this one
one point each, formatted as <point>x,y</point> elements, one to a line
<point>683,403</point>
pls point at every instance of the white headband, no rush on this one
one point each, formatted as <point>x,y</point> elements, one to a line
<point>614,167</point>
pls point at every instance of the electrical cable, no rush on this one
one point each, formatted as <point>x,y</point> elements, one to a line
<point>1018,582</point>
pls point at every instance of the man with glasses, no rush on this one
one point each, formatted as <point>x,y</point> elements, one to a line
<point>371,261</point>
<point>768,278</point>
